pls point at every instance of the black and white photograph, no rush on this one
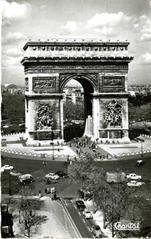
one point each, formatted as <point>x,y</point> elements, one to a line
<point>75,119</point>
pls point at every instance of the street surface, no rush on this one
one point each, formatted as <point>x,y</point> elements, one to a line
<point>57,224</point>
<point>80,223</point>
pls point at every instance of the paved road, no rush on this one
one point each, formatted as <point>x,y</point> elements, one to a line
<point>79,222</point>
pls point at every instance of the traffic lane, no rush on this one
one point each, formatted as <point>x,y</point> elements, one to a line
<point>78,220</point>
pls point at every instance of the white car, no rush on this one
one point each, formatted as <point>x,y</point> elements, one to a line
<point>87,214</point>
<point>134,184</point>
<point>133,176</point>
<point>6,167</point>
<point>25,177</point>
<point>52,176</point>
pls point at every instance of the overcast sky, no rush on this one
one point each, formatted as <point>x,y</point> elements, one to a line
<point>104,19</point>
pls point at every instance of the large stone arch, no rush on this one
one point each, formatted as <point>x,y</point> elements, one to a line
<point>101,68</point>
<point>89,84</point>
<point>90,78</point>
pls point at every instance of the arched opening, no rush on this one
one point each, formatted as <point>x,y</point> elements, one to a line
<point>77,106</point>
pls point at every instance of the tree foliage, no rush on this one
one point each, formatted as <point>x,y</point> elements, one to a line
<point>116,200</point>
<point>27,212</point>
<point>13,108</point>
<point>73,111</point>
<point>140,112</point>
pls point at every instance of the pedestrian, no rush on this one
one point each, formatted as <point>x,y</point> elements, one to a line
<point>40,193</point>
<point>44,163</point>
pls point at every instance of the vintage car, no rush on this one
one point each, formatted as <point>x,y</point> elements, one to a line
<point>87,214</point>
<point>26,178</point>
<point>133,176</point>
<point>135,184</point>
<point>80,205</point>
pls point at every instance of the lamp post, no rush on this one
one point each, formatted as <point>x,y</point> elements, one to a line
<point>142,153</point>
<point>9,191</point>
<point>52,138</point>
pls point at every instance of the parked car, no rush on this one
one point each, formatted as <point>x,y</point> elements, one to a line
<point>96,230</point>
<point>140,162</point>
<point>52,176</point>
<point>26,178</point>
<point>61,174</point>
<point>133,176</point>
<point>85,194</point>
<point>87,214</point>
<point>6,167</point>
<point>134,184</point>
<point>80,205</point>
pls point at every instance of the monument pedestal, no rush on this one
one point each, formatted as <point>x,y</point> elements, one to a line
<point>88,127</point>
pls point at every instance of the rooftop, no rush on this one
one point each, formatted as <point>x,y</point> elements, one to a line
<point>74,42</point>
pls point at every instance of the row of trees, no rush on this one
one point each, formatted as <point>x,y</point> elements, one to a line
<point>139,113</point>
<point>13,108</point>
<point>73,111</point>
<point>140,99</point>
<point>116,200</point>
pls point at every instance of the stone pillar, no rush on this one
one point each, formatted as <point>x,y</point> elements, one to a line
<point>61,118</point>
<point>26,118</point>
<point>43,108</point>
<point>126,82</point>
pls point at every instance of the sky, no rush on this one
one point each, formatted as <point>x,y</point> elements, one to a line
<point>104,19</point>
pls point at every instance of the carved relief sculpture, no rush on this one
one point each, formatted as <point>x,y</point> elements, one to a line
<point>113,114</point>
<point>44,119</point>
<point>113,83</point>
<point>44,84</point>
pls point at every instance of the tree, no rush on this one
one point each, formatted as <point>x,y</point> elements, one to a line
<point>13,108</point>
<point>73,111</point>
<point>78,171</point>
<point>27,212</point>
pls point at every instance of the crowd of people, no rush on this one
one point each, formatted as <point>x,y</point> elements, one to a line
<point>84,147</point>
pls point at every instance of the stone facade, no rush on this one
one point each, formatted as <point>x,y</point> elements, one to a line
<point>100,67</point>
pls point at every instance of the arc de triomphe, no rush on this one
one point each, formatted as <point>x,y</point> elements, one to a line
<point>102,70</point>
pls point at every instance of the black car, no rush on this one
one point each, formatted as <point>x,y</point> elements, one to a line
<point>50,181</point>
<point>61,174</point>
<point>140,162</point>
<point>80,205</point>
<point>96,230</point>
<point>85,194</point>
